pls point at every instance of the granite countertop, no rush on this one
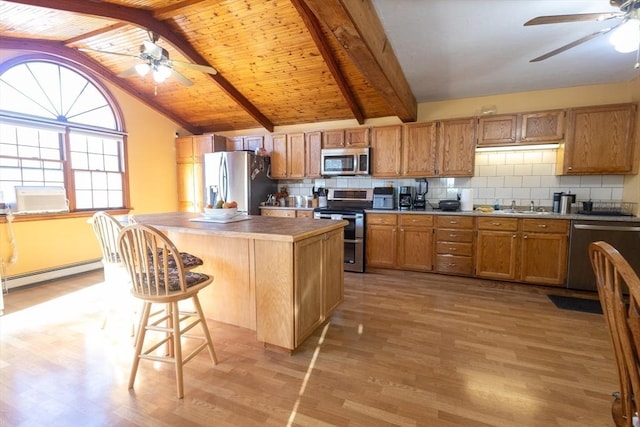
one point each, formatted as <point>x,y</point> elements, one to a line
<point>511,214</point>
<point>256,227</point>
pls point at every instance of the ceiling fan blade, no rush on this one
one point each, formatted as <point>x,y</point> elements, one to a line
<point>86,49</point>
<point>556,19</point>
<point>573,44</point>
<point>131,71</point>
<point>182,79</point>
<point>203,68</point>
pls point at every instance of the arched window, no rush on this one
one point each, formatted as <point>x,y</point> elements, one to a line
<point>60,128</point>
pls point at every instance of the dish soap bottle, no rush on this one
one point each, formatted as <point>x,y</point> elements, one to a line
<point>496,205</point>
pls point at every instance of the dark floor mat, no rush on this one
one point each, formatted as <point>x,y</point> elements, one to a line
<point>576,304</point>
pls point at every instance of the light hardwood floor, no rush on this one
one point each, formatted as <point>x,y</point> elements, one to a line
<point>406,349</point>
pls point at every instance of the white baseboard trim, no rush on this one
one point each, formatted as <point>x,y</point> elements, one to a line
<point>50,274</point>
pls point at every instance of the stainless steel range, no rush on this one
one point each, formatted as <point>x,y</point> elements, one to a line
<point>349,205</point>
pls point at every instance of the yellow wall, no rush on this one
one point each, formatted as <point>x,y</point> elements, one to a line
<point>632,182</point>
<point>47,244</point>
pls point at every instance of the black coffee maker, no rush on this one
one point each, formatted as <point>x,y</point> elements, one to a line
<point>405,198</point>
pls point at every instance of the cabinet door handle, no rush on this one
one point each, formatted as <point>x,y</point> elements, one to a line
<point>525,236</point>
<point>542,225</point>
<point>453,235</point>
<point>496,223</point>
<point>452,249</point>
<point>514,236</point>
<point>453,222</point>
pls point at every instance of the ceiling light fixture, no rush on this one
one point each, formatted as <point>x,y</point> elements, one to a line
<point>160,73</point>
<point>626,38</point>
<point>142,69</point>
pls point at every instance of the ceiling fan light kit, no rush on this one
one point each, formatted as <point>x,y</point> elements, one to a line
<point>626,38</point>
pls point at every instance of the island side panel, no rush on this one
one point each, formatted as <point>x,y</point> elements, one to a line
<point>274,293</point>
<point>308,286</point>
<point>231,296</point>
<point>333,271</point>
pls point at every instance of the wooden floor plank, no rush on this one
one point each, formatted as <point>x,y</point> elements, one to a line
<point>404,349</point>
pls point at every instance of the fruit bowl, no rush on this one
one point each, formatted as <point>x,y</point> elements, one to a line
<point>222,213</point>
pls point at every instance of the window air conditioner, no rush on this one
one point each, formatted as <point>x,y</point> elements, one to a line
<point>41,200</point>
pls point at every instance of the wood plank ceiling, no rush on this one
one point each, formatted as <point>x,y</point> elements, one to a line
<point>279,62</point>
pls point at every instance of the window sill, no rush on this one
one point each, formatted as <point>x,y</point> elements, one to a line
<point>63,215</point>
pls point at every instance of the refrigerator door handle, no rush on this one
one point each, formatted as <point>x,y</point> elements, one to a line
<point>224,188</point>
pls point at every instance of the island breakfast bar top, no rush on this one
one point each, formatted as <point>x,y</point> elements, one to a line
<point>256,227</point>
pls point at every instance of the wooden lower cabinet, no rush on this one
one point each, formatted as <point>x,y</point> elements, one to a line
<point>287,213</point>
<point>454,244</point>
<point>381,240</point>
<point>402,241</point>
<point>525,250</point>
<point>415,242</point>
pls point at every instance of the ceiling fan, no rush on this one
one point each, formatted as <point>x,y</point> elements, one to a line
<point>627,41</point>
<point>155,58</point>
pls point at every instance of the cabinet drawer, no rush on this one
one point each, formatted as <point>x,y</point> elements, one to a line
<point>454,264</point>
<point>453,235</point>
<point>384,219</point>
<point>304,214</point>
<point>545,225</point>
<point>454,248</point>
<point>417,220</point>
<point>284,213</point>
<point>450,221</point>
<point>497,223</point>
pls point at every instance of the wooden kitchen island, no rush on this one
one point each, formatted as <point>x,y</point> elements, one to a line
<point>281,277</point>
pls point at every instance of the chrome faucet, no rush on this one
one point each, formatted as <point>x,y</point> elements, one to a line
<point>513,205</point>
<point>532,208</point>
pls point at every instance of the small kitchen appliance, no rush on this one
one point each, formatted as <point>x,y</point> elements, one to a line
<point>384,198</point>
<point>565,203</point>
<point>449,205</point>
<point>420,201</point>
<point>405,198</point>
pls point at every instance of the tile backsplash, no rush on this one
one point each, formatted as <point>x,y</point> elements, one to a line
<point>523,176</point>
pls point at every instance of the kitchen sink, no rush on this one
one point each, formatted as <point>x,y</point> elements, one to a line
<point>517,212</point>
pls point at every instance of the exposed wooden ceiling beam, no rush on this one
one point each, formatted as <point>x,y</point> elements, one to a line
<point>146,20</point>
<point>58,49</point>
<point>315,29</point>
<point>359,31</point>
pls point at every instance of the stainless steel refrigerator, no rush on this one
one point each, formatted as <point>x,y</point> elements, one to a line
<point>238,175</point>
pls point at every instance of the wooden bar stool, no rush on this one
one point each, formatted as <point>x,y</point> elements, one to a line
<point>158,276</point>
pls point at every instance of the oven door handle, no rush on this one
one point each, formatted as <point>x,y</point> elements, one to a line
<point>342,216</point>
<point>605,227</point>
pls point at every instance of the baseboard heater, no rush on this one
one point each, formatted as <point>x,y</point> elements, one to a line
<point>51,274</point>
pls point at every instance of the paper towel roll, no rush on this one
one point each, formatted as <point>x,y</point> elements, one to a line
<point>466,200</point>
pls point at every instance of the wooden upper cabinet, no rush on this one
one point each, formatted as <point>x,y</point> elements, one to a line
<point>287,155</point>
<point>523,128</point>
<point>191,148</point>
<point>497,130</point>
<point>278,154</point>
<point>343,138</point>
<point>456,147</point>
<point>419,149</point>
<point>386,151</point>
<point>295,155</point>
<point>600,140</point>
<point>542,126</point>
<point>313,145</point>
<point>250,143</point>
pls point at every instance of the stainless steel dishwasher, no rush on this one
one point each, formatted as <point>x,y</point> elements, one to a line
<point>622,235</point>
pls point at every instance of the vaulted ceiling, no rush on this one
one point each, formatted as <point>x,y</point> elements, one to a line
<point>278,62</point>
<point>285,62</point>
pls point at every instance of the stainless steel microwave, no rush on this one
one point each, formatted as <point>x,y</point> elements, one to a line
<point>345,161</point>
